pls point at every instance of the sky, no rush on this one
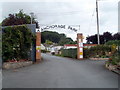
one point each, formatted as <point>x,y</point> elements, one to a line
<point>68,12</point>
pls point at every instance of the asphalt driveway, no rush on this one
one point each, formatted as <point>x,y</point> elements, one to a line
<point>58,72</point>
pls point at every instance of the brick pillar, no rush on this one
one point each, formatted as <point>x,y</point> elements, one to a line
<point>38,47</point>
<point>79,46</point>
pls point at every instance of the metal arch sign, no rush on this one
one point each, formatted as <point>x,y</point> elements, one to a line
<point>59,26</point>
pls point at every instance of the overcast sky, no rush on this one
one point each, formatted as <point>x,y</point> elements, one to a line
<point>68,12</point>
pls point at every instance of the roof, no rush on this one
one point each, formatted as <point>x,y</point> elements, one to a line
<point>90,44</point>
<point>68,45</point>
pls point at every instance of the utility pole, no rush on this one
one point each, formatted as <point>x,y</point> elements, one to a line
<point>98,36</point>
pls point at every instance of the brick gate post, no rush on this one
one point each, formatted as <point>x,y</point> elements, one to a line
<point>79,46</point>
<point>38,46</point>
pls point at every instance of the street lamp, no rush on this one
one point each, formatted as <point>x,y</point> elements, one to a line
<point>32,15</point>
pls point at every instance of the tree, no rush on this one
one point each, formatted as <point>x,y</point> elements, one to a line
<point>51,36</point>
<point>18,19</point>
<point>48,42</point>
<point>65,41</point>
<point>92,39</point>
<point>102,39</point>
<point>55,37</point>
<point>62,35</point>
<point>116,36</point>
<point>107,36</point>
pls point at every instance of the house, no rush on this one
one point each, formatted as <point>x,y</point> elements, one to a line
<point>89,45</point>
<point>68,46</point>
<point>42,47</point>
<point>55,49</point>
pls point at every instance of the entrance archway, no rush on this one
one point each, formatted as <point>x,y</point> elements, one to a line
<point>79,40</point>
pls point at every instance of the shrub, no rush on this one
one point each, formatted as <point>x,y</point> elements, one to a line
<point>113,42</point>
<point>115,59</point>
<point>97,51</point>
<point>44,51</point>
<point>87,53</point>
<point>16,42</point>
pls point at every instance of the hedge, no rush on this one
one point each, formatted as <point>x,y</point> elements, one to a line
<point>97,51</point>
<point>101,51</point>
<point>72,53</point>
<point>16,42</point>
<point>113,42</point>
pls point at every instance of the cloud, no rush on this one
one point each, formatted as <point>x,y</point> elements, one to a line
<point>72,12</point>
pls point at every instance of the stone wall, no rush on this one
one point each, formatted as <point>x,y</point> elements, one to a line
<point>15,65</point>
<point>99,58</point>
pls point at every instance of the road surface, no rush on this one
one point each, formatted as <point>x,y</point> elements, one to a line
<point>0,78</point>
<point>58,72</point>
